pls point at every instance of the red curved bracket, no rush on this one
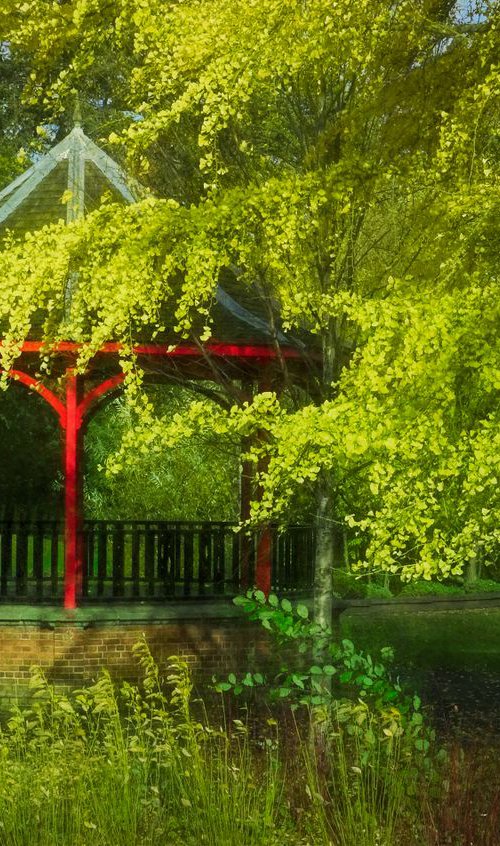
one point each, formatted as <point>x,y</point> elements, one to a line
<point>91,399</point>
<point>35,385</point>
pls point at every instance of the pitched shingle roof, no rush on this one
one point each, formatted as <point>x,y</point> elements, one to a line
<point>65,183</point>
<point>69,181</point>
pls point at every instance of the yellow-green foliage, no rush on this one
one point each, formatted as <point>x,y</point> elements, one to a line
<point>343,157</point>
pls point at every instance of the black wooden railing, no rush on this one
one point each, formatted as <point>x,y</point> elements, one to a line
<point>139,560</point>
<point>31,560</point>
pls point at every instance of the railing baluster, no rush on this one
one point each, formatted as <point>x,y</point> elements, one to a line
<point>175,559</point>
<point>166,562</point>
<point>311,556</point>
<point>38,558</point>
<point>204,551</point>
<point>102,557</point>
<point>275,559</point>
<point>118,560</point>
<point>177,556</point>
<point>6,559</point>
<point>136,562</point>
<point>188,538</point>
<point>236,551</point>
<point>288,560</point>
<point>21,558</point>
<point>54,559</point>
<point>149,560</point>
<point>88,544</point>
<point>219,560</point>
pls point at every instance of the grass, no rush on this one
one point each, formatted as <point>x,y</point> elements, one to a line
<point>145,766</point>
<point>462,639</point>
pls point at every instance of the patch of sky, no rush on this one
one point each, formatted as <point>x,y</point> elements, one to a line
<point>99,103</point>
<point>135,116</point>
<point>471,11</point>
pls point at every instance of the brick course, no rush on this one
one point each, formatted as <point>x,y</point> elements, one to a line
<point>72,653</point>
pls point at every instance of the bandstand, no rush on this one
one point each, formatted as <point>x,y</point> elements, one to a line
<point>79,561</point>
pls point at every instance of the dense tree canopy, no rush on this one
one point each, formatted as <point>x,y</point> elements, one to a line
<point>341,159</point>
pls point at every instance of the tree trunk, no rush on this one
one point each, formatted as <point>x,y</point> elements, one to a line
<point>329,535</point>
<point>329,550</point>
<point>471,572</point>
<point>323,563</point>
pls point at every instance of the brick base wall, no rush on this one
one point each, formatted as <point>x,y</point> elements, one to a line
<point>72,652</point>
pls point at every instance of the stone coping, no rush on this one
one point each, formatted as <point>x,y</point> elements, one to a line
<point>419,603</point>
<point>133,613</point>
<point>111,614</point>
<point>137,613</point>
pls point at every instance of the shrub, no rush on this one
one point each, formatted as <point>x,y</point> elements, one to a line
<point>349,586</point>
<point>482,586</point>
<point>424,588</point>
<point>375,591</point>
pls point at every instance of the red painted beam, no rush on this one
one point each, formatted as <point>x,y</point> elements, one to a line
<point>243,351</point>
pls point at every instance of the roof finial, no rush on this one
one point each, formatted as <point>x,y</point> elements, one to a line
<point>77,112</point>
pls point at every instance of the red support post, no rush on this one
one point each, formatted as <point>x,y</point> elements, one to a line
<point>72,492</point>
<point>264,561</point>
<point>72,414</point>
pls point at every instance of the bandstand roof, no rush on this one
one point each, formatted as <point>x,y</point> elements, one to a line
<point>69,181</point>
<point>63,185</point>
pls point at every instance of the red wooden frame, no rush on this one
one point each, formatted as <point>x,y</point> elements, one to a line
<point>36,385</point>
<point>92,399</point>
<point>76,409</point>
<point>223,350</point>
<point>72,413</point>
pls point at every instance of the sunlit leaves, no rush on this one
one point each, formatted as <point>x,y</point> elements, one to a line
<point>340,161</point>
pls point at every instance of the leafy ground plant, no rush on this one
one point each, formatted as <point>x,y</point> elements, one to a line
<point>367,745</point>
<point>133,766</point>
<point>114,767</point>
<point>316,669</point>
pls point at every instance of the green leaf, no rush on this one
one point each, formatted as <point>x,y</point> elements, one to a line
<point>303,611</point>
<point>329,670</point>
<point>286,605</point>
